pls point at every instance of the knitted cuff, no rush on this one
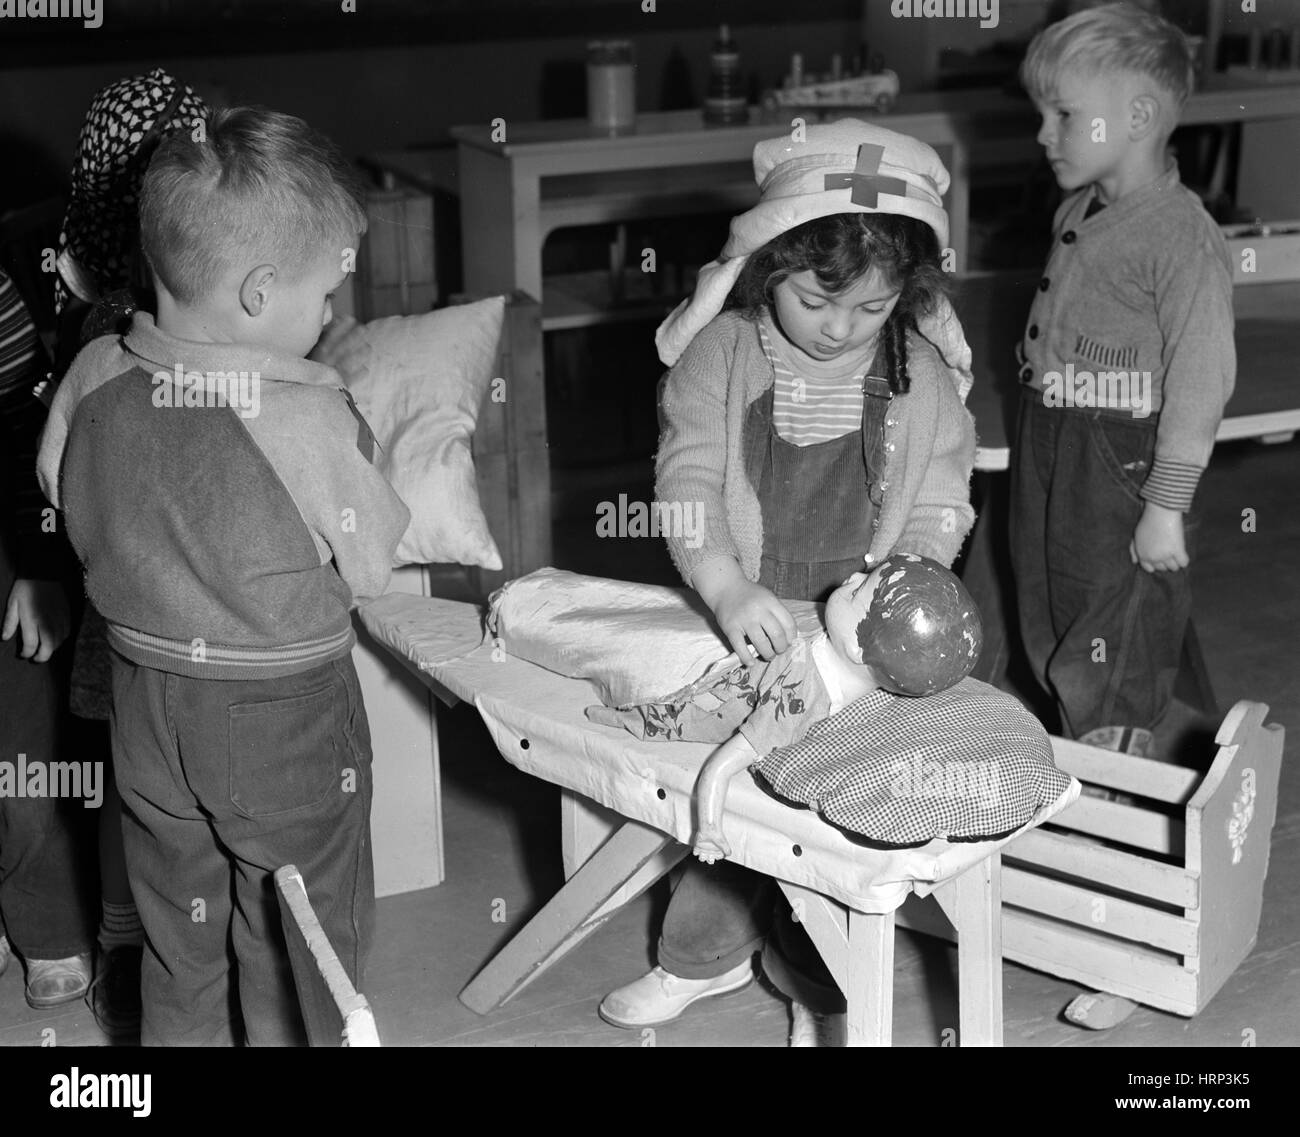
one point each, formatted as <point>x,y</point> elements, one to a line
<point>1171,484</point>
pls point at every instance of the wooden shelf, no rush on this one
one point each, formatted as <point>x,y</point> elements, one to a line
<point>584,300</point>
<point>597,199</point>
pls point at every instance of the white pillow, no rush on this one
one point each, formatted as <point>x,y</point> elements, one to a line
<point>419,381</point>
<point>637,643</point>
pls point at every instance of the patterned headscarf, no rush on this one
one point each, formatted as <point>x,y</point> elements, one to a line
<point>123,127</point>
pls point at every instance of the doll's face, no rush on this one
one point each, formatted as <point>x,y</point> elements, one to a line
<point>846,608</point>
<point>910,623</point>
<point>825,326</point>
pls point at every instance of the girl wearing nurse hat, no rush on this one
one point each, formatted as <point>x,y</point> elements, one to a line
<point>814,412</point>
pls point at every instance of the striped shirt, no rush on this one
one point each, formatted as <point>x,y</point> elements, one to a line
<point>808,410</point>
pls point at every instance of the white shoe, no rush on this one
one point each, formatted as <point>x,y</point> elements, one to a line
<point>813,1028</point>
<point>6,953</point>
<point>53,982</point>
<point>660,997</point>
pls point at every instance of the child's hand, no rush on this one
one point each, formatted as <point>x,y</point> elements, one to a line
<point>710,844</point>
<point>40,608</point>
<point>744,610</point>
<point>749,614</point>
<point>1158,544</point>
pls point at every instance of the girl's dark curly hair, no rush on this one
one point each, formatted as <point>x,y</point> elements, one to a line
<point>840,250</point>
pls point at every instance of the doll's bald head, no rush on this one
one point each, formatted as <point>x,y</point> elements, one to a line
<point>911,621</point>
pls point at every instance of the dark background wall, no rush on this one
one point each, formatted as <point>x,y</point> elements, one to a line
<point>375,95</point>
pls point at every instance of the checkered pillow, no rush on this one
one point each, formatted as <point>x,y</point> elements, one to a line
<point>967,764</point>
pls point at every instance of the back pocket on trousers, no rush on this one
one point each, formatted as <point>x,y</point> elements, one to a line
<point>284,753</point>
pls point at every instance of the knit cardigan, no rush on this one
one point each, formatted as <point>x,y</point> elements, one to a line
<point>929,453</point>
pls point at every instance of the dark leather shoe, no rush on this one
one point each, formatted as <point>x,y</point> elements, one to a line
<point>115,996</point>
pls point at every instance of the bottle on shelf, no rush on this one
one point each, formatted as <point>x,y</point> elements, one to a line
<point>725,103</point>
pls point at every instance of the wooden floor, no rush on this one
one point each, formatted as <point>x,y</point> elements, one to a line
<point>503,855</point>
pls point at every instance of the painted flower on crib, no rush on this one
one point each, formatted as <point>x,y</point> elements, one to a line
<point>1243,810</point>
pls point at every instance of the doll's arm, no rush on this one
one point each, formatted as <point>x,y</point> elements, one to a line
<point>724,764</point>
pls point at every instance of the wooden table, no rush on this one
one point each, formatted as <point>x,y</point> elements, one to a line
<point>551,175</point>
<point>542,176</point>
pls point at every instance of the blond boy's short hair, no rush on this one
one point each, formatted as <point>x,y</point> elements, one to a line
<point>1110,38</point>
<point>256,186</point>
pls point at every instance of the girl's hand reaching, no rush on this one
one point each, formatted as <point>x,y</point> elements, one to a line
<point>756,623</point>
<point>749,614</point>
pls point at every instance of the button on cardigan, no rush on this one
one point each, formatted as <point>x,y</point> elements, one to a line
<point>1144,285</point>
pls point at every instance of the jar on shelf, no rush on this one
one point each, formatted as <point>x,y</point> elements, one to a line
<point>611,86</point>
<point>725,103</point>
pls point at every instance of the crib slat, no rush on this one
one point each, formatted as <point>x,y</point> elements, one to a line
<point>1113,868</point>
<point>1127,824</point>
<point>1141,776</point>
<point>1098,961</point>
<point>1098,912</point>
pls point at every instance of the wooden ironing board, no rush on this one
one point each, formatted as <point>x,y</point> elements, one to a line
<point>627,820</point>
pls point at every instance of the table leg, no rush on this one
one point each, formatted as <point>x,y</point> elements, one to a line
<point>571,915</point>
<point>501,239</point>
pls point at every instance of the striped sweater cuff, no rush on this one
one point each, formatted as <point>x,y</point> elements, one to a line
<point>1171,484</point>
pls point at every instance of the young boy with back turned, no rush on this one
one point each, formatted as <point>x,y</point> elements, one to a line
<point>225,541</point>
<point>1127,363</point>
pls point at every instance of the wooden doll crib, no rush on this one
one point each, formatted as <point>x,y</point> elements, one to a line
<point>1131,900</point>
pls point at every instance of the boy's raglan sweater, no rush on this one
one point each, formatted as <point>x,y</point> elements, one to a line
<point>218,543</point>
<point>1143,285</point>
<point>929,452</point>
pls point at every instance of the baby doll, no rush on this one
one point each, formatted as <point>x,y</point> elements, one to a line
<point>909,627</point>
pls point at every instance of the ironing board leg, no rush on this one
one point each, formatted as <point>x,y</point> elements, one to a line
<point>572,914</point>
<point>973,902</point>
<point>585,825</point>
<point>858,948</point>
<point>870,987</point>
